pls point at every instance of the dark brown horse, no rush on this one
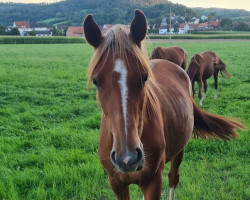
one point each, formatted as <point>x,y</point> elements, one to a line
<point>202,66</point>
<point>175,54</point>
<point>147,119</point>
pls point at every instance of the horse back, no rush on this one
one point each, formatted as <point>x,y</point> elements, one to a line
<point>176,105</point>
<point>174,54</point>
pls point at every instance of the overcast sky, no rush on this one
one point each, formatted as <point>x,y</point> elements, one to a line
<point>232,4</point>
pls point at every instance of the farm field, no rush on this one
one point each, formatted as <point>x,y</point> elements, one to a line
<point>49,127</point>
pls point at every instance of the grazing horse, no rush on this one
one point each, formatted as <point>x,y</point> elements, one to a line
<point>175,54</point>
<point>202,66</point>
<point>148,111</point>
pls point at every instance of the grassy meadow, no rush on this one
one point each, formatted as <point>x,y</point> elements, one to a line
<point>49,127</point>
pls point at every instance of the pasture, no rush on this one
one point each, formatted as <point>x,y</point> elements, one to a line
<point>49,127</point>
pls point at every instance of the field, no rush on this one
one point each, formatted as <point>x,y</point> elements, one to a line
<point>49,128</point>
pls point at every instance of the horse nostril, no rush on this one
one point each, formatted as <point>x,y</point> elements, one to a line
<point>112,156</point>
<point>139,154</point>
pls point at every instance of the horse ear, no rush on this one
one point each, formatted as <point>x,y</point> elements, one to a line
<point>92,31</point>
<point>138,27</point>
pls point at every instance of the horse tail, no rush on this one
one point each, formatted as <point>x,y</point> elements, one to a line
<point>225,74</point>
<point>213,126</point>
<point>223,71</point>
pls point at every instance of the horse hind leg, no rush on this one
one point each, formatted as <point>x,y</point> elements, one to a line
<point>215,84</point>
<point>173,175</point>
<point>205,89</point>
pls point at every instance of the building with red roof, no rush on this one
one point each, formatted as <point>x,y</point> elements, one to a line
<point>74,31</point>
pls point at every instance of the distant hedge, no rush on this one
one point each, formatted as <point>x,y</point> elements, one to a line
<point>38,40</point>
<point>202,36</point>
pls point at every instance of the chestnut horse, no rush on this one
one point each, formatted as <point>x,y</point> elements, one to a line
<point>148,111</point>
<point>202,66</point>
<point>175,54</point>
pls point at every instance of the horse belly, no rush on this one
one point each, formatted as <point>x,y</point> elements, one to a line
<point>178,128</point>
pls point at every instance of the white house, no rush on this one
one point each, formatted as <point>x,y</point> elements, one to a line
<point>163,27</point>
<point>184,28</point>
<point>23,27</point>
<point>203,17</point>
<point>38,26</point>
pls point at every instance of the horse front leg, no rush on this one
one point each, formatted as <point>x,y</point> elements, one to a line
<point>152,189</point>
<point>121,191</point>
<point>193,88</point>
<point>173,175</point>
<point>199,94</point>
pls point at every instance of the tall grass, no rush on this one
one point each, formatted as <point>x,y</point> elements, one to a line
<point>49,127</point>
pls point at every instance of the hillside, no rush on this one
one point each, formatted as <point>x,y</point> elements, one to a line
<point>234,14</point>
<point>72,12</point>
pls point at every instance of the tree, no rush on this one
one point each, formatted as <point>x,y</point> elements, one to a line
<point>226,24</point>
<point>176,28</point>
<point>2,30</point>
<point>32,33</point>
<point>14,31</point>
<point>242,27</point>
<point>57,32</point>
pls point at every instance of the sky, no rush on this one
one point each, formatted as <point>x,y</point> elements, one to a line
<point>231,4</point>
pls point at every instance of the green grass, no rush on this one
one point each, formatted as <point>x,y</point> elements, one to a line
<point>49,128</point>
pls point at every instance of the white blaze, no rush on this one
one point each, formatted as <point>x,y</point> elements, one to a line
<point>121,69</point>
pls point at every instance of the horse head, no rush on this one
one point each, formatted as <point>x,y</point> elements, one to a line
<point>120,71</point>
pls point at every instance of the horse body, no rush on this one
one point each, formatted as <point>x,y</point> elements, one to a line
<point>202,66</point>
<point>148,112</point>
<point>163,137</point>
<point>175,54</point>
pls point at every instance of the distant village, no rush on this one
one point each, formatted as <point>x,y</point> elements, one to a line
<point>178,25</point>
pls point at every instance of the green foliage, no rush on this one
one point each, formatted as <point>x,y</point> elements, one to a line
<point>72,12</point>
<point>39,40</point>
<point>57,32</point>
<point>242,27</point>
<point>226,24</point>
<point>2,30</point>
<point>14,31</point>
<point>49,127</point>
<point>32,33</point>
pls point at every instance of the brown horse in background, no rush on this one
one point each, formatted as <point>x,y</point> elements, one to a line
<point>175,54</point>
<point>202,66</point>
<point>147,119</point>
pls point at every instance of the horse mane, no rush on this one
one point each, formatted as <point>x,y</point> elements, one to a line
<point>119,41</point>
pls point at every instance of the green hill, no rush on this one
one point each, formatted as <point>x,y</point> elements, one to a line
<point>72,12</point>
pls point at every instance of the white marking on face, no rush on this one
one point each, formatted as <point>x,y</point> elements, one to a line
<point>121,69</point>
<point>125,160</point>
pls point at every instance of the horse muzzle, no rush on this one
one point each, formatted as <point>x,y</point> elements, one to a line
<point>129,162</point>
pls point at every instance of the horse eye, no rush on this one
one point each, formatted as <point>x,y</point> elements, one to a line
<point>96,83</point>
<point>144,78</point>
